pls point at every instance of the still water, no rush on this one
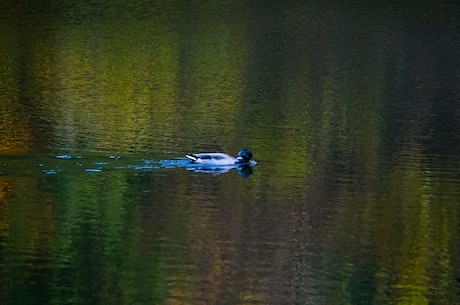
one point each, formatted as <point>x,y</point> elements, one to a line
<point>352,112</point>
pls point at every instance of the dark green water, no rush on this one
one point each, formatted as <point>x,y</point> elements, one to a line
<point>352,112</point>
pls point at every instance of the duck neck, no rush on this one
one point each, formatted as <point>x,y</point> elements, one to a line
<point>240,160</point>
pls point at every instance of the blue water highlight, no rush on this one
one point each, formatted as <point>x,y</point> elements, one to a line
<point>74,164</point>
<point>71,163</point>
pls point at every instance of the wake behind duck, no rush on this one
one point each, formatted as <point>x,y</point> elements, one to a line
<point>210,163</point>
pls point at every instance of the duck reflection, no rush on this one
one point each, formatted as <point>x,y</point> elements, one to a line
<point>244,170</point>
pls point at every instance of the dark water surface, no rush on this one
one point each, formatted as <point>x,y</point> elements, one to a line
<point>352,111</point>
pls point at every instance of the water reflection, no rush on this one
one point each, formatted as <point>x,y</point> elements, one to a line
<point>244,170</point>
<point>70,164</point>
<point>353,111</point>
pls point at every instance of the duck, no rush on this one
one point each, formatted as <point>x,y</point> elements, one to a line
<point>220,159</point>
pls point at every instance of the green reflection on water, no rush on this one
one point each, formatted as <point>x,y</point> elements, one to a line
<point>352,112</point>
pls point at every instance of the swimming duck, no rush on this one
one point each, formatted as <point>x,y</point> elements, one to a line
<point>221,159</point>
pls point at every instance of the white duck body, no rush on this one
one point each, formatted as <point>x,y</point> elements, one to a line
<point>218,159</point>
<point>218,163</point>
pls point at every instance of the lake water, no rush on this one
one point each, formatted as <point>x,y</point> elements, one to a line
<point>352,112</point>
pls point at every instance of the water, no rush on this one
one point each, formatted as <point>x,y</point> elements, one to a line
<point>352,112</point>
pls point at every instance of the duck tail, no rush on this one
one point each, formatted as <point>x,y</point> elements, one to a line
<point>191,157</point>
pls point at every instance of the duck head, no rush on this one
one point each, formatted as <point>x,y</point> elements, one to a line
<point>245,155</point>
